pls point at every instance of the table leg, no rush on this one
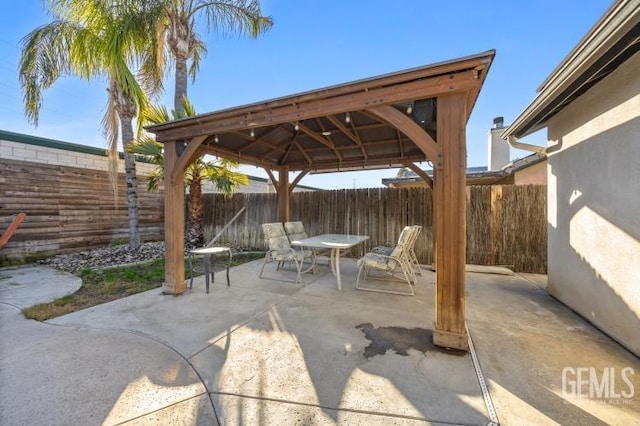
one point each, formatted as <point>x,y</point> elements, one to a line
<point>190,270</point>
<point>228,266</point>
<point>205,261</point>
<point>213,268</point>
<point>332,261</point>
<point>337,268</point>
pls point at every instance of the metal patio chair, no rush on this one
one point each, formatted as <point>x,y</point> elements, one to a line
<point>280,251</point>
<point>410,252</point>
<point>399,257</point>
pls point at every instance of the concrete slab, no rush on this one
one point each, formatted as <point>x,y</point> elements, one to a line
<point>237,410</point>
<point>197,319</point>
<point>308,350</point>
<point>84,376</point>
<point>525,339</point>
<point>24,286</point>
<point>272,352</point>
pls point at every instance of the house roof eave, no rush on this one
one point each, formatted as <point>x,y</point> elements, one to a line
<point>611,41</point>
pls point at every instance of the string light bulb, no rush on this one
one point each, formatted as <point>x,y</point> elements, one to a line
<point>253,133</point>
<point>216,139</point>
<point>409,109</point>
<point>347,118</point>
<point>296,127</point>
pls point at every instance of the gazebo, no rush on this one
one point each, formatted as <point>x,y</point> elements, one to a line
<point>393,120</point>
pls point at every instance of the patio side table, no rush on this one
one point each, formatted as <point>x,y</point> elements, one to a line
<point>208,262</point>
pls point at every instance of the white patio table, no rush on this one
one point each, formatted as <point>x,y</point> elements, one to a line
<point>335,242</point>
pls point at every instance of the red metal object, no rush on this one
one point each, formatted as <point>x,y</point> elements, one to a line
<point>6,235</point>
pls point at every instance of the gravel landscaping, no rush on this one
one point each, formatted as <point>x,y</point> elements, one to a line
<point>104,257</point>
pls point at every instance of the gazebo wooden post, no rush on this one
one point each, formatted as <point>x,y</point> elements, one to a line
<point>450,223</point>
<point>284,207</point>
<point>174,280</point>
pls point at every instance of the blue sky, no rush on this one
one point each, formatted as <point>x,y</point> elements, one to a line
<point>318,43</point>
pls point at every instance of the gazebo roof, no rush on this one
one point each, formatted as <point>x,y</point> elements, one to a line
<point>351,126</point>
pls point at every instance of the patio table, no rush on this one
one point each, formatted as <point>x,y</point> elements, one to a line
<point>335,242</point>
<point>208,263</point>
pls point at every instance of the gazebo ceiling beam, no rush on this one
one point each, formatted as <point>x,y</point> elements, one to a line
<point>219,151</point>
<point>421,89</point>
<point>323,128</point>
<point>304,153</point>
<point>372,162</point>
<point>336,122</point>
<point>286,154</point>
<point>313,135</point>
<point>353,136</point>
<point>252,141</point>
<point>400,144</point>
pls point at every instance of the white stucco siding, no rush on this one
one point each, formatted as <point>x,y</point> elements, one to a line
<point>594,205</point>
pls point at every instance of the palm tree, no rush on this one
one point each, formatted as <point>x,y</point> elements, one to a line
<point>91,41</point>
<point>175,29</point>
<point>221,173</point>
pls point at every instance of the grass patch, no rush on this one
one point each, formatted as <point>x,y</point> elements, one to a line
<point>101,286</point>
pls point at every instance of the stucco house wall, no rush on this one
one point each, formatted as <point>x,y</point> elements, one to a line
<point>594,204</point>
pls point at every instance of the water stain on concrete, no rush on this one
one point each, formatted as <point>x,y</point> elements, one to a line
<point>400,340</point>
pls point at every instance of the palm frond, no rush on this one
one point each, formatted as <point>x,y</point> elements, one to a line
<point>154,178</point>
<point>154,114</point>
<point>148,148</point>
<point>47,54</point>
<point>234,16</point>
<point>189,109</point>
<point>224,178</point>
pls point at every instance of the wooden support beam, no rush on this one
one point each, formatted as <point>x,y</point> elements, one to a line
<point>283,195</point>
<point>450,223</point>
<point>406,125</point>
<point>274,181</point>
<point>297,180</point>
<point>417,170</point>
<point>187,157</point>
<point>174,282</point>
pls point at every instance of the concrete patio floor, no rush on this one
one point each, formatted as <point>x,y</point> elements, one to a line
<point>271,352</point>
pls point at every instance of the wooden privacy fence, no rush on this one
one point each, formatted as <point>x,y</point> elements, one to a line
<point>69,209</point>
<point>506,225</point>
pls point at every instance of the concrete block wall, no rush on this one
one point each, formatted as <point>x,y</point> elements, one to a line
<point>45,151</point>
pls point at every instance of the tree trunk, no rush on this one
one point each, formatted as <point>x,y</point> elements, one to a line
<point>195,237</point>
<point>131,183</point>
<point>181,86</point>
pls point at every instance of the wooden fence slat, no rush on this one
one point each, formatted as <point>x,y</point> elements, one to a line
<point>506,225</point>
<point>70,209</point>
